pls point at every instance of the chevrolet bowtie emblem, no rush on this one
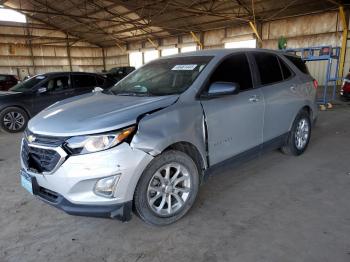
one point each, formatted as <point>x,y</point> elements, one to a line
<point>31,138</point>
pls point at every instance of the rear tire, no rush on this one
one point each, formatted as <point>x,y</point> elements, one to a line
<point>13,120</point>
<point>299,136</point>
<point>171,177</point>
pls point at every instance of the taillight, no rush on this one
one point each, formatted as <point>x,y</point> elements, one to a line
<point>315,84</point>
<point>346,85</point>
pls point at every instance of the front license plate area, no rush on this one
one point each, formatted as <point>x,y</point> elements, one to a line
<point>26,182</point>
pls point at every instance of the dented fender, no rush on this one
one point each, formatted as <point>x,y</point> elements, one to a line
<point>179,122</point>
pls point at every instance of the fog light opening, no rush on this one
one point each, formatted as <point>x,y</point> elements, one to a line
<point>106,186</point>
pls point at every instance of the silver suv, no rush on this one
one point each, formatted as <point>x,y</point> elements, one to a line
<point>148,142</point>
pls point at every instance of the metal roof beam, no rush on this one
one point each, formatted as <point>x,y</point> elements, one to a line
<point>78,20</point>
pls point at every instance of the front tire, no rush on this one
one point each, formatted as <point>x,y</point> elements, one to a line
<point>299,136</point>
<point>167,188</point>
<point>13,120</point>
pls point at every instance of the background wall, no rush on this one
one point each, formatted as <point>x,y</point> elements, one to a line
<point>26,51</point>
<point>312,30</point>
<point>45,50</point>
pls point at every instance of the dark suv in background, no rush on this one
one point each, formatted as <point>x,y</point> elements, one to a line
<point>7,81</point>
<point>118,73</point>
<point>27,98</point>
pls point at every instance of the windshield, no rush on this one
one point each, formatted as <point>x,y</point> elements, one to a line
<point>162,77</point>
<point>27,85</point>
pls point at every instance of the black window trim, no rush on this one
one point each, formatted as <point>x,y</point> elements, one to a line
<point>287,65</point>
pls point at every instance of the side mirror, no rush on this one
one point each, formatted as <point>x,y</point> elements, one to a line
<point>218,89</point>
<point>97,89</point>
<point>41,90</point>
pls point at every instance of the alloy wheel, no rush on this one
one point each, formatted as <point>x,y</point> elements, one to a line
<point>13,121</point>
<point>169,189</point>
<point>302,134</point>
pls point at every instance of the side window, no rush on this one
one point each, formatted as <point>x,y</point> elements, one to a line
<point>300,64</point>
<point>285,69</point>
<point>84,81</point>
<point>57,83</point>
<point>2,78</point>
<point>269,68</point>
<point>128,70</point>
<point>234,69</point>
<point>100,81</point>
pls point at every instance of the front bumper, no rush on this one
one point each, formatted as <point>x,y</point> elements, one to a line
<point>71,186</point>
<point>118,211</point>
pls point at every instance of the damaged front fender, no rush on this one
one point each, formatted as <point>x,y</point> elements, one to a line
<point>180,122</point>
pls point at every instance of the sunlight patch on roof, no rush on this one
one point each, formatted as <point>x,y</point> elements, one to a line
<point>9,15</point>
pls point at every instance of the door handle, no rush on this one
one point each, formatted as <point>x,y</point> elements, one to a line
<point>254,99</point>
<point>293,88</point>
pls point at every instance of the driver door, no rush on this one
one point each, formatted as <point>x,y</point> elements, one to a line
<point>234,122</point>
<point>57,88</point>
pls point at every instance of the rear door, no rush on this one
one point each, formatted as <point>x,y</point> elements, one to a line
<point>83,83</point>
<point>234,122</point>
<point>279,86</point>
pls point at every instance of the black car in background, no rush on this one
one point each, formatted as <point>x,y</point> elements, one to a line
<point>118,73</point>
<point>28,98</point>
<point>7,81</point>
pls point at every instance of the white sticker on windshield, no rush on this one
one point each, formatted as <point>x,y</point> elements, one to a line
<point>184,67</point>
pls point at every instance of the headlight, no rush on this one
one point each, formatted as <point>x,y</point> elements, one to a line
<point>95,143</point>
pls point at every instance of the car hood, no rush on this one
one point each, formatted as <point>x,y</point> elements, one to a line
<point>8,93</point>
<point>94,113</point>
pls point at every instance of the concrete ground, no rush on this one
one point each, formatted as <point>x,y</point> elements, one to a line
<point>276,208</point>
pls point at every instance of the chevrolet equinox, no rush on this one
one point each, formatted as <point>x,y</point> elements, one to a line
<point>148,142</point>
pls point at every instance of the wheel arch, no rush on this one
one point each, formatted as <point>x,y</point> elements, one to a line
<point>306,108</point>
<point>18,106</point>
<point>192,151</point>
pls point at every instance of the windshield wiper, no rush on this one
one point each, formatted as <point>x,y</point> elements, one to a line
<point>132,94</point>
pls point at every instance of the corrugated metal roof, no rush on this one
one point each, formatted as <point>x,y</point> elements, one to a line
<point>110,22</point>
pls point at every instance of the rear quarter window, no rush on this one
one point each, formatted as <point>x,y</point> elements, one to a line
<point>300,64</point>
<point>269,68</point>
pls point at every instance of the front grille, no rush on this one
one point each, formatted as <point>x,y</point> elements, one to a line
<point>39,160</point>
<point>47,140</point>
